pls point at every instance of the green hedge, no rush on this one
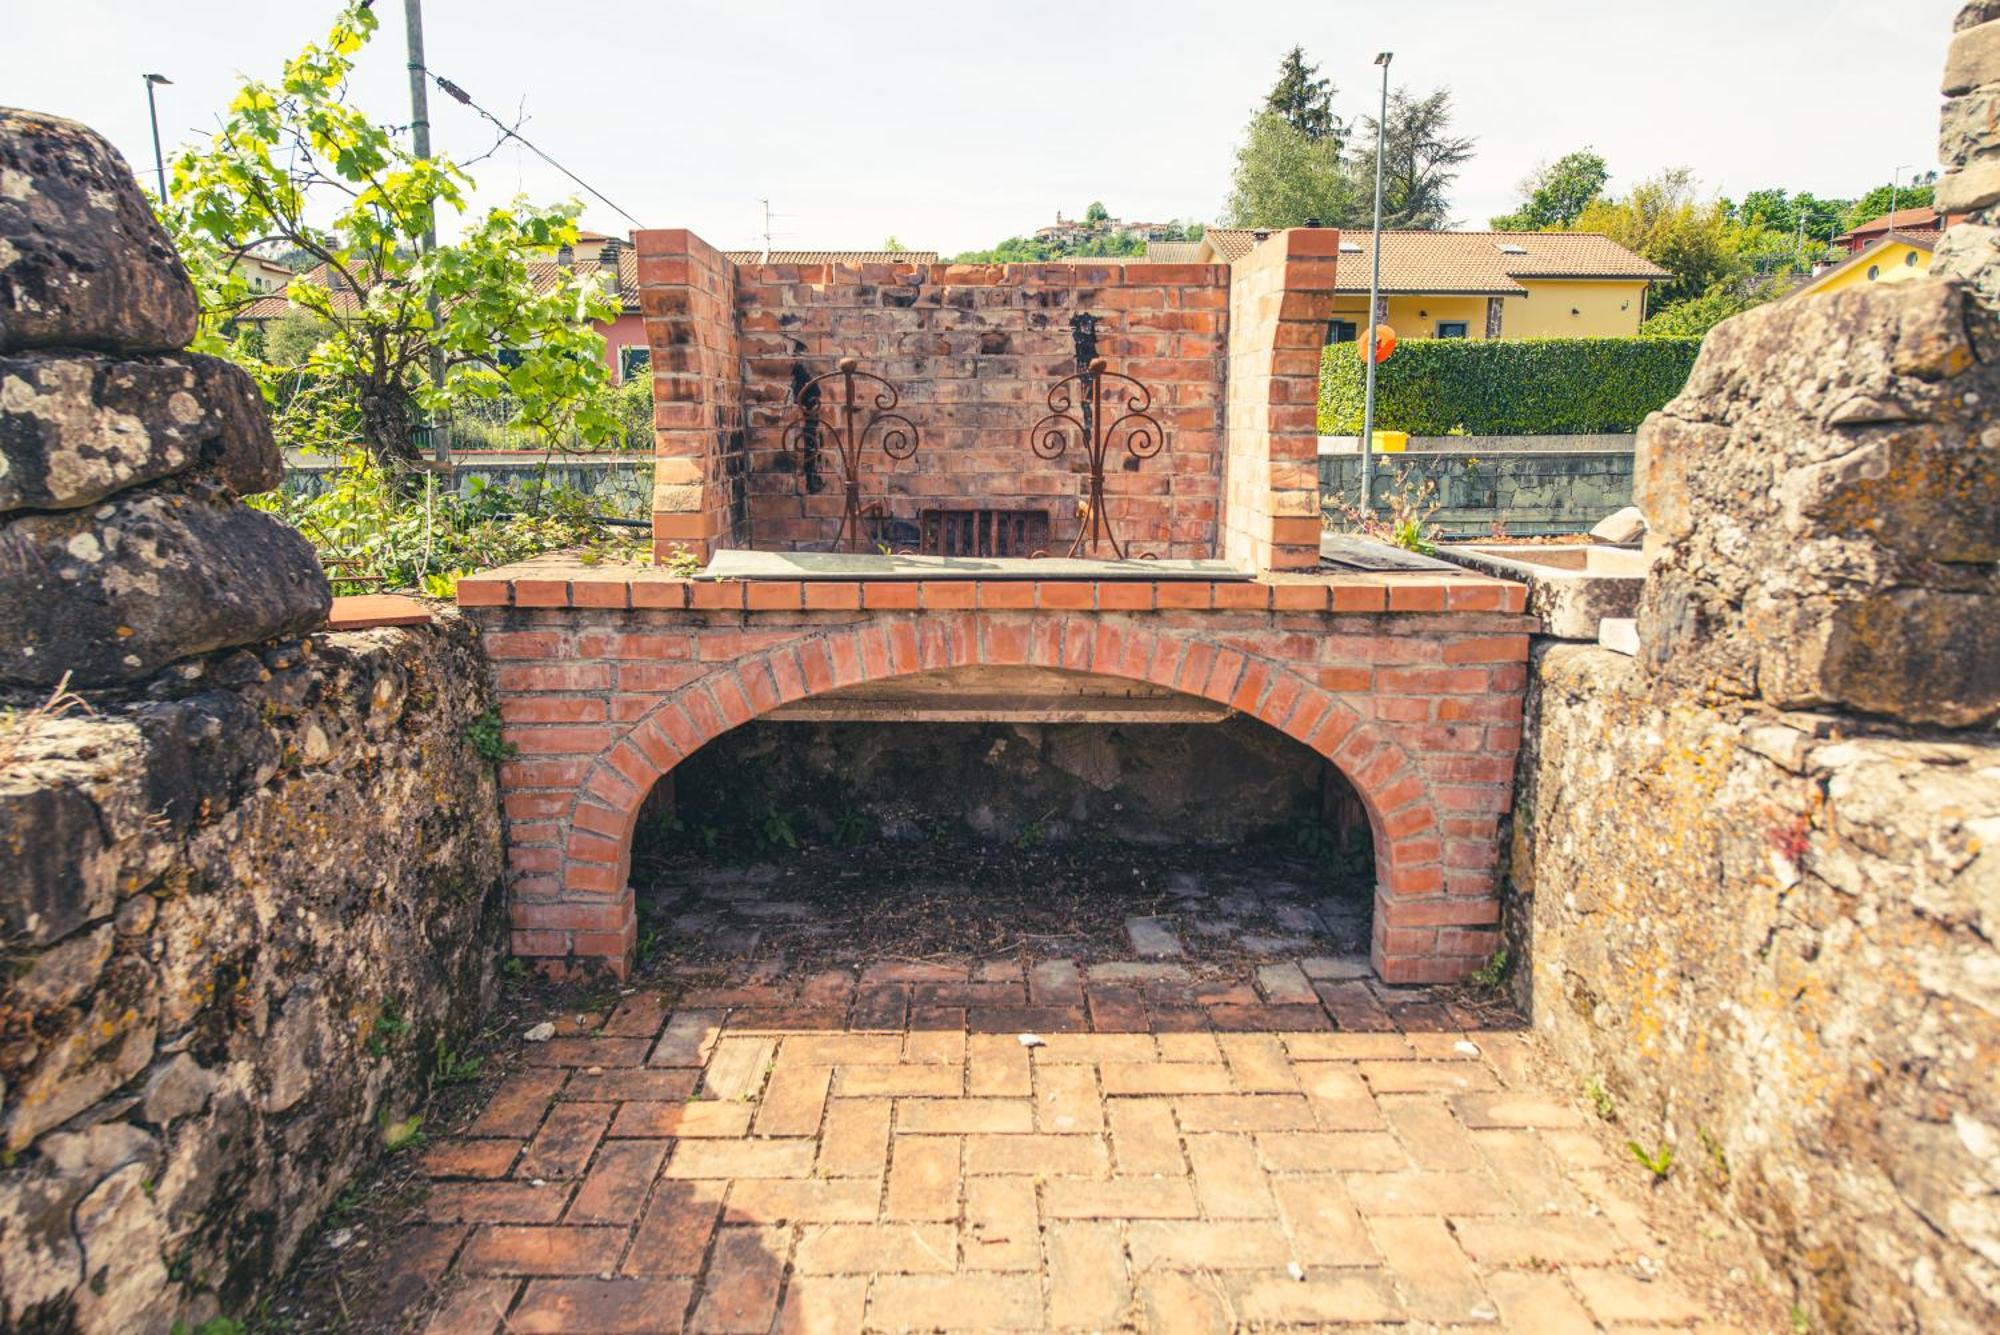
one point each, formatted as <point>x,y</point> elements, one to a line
<point>1506,387</point>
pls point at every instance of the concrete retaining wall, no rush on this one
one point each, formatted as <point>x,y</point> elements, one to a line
<point>1611,442</point>
<point>1524,492</point>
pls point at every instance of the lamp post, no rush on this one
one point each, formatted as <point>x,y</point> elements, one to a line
<point>1895,177</point>
<point>1374,298</point>
<point>153,112</point>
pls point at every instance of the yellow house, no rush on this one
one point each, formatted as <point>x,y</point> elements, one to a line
<point>1894,257</point>
<point>1471,284</point>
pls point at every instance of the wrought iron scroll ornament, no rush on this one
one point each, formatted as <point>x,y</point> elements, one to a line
<point>1080,403</point>
<point>833,409</point>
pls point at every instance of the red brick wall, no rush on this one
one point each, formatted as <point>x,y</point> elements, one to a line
<point>1412,685</point>
<point>1230,353</point>
<point>1280,299</point>
<point>687,297</point>
<point>974,349</point>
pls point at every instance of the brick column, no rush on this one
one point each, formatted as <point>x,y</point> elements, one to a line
<point>687,299</point>
<point>1280,299</point>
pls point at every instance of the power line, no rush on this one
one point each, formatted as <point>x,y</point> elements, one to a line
<point>507,131</point>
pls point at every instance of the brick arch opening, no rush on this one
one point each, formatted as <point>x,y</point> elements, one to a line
<point>586,894</point>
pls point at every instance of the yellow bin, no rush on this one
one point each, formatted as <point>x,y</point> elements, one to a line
<point>1391,442</point>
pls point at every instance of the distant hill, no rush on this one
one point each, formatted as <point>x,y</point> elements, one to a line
<point>1096,236</point>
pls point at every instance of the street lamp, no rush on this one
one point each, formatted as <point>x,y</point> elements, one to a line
<point>1894,177</point>
<point>1374,297</point>
<point>159,163</point>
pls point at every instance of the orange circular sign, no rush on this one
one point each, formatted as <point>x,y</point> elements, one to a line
<point>1385,343</point>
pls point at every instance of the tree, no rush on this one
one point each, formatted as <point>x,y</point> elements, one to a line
<point>1697,315</point>
<point>1778,211</point>
<point>1284,177</point>
<point>1096,213</point>
<point>1302,101</point>
<point>296,165</point>
<point>1663,220</point>
<point>1556,193</point>
<point>1421,158</point>
<point>292,338</point>
<point>893,246</point>
<point>1918,194</point>
<point>1029,250</point>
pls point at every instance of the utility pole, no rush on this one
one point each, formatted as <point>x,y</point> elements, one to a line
<point>153,113</point>
<point>767,229</point>
<point>1374,300</point>
<point>420,143</point>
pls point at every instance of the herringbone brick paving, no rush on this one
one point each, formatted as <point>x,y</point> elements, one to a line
<point>876,1148</point>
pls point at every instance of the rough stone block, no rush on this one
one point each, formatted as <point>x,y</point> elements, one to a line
<point>83,262</point>
<point>75,429</point>
<point>1976,186</point>
<point>1969,128</point>
<point>112,593</point>
<point>1825,507</point>
<point>1972,59</point>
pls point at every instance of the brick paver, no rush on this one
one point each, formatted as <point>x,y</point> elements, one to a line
<point>1175,1167</point>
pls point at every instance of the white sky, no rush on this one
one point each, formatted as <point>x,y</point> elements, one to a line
<point>953,125</point>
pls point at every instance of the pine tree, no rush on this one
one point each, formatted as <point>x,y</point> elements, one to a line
<point>1421,160</point>
<point>1305,102</point>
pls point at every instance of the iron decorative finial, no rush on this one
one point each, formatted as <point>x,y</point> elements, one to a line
<point>1102,407</point>
<point>840,409</point>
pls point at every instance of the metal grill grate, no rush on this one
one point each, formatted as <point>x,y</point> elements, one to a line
<point>984,532</point>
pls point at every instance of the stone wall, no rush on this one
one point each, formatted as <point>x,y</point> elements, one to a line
<point>250,886</point>
<point>1223,785</point>
<point>1523,493</point>
<point>243,916</point>
<point>1756,869</point>
<point>1771,939</point>
<point>1823,509</point>
<point>124,544</point>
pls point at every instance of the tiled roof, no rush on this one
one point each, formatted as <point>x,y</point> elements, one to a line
<point>1922,218</point>
<point>544,274</point>
<point>834,257</point>
<point>1478,263</point>
<point>1174,252</point>
<point>1231,243</point>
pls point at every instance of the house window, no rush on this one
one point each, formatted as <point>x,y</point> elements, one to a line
<point>1911,259</point>
<point>1874,272</point>
<point>1341,331</point>
<point>1452,329</point>
<point>633,360</point>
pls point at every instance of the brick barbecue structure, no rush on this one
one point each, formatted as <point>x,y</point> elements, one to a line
<point>1409,683</point>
